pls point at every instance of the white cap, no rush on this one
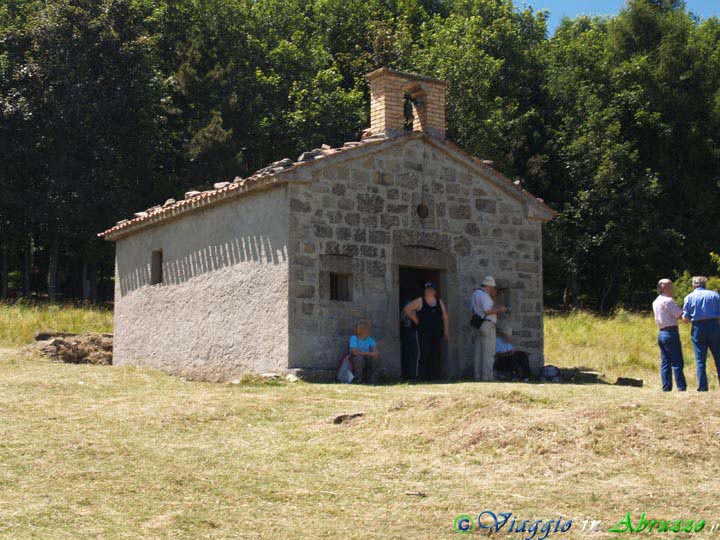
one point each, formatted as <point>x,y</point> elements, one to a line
<point>505,330</point>
<point>489,281</point>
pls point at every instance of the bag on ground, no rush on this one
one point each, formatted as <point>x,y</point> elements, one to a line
<point>550,373</point>
<point>345,369</point>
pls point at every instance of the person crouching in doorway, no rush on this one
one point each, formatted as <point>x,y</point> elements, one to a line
<point>365,354</point>
<point>667,313</point>
<point>430,316</point>
<point>510,361</point>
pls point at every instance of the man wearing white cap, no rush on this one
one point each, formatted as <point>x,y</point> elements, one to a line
<point>483,305</point>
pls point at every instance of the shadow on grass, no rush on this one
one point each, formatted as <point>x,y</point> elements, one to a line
<point>577,375</point>
<point>582,375</point>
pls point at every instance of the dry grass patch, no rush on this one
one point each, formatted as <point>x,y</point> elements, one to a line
<point>121,453</point>
<point>104,452</point>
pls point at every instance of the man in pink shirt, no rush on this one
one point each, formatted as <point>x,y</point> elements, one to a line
<point>667,313</point>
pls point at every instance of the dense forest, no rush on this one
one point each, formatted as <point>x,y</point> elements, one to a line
<point>109,106</point>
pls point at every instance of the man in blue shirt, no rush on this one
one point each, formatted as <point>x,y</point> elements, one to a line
<point>702,308</point>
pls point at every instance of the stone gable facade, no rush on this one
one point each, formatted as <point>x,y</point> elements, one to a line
<point>360,218</point>
<point>273,272</point>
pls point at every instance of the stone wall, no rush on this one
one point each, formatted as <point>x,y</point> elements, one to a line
<point>222,307</point>
<point>358,216</point>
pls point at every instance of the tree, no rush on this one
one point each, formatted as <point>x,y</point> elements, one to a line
<point>84,101</point>
<point>110,106</point>
<point>491,53</point>
<point>634,157</point>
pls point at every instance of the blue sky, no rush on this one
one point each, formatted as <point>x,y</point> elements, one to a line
<point>561,8</point>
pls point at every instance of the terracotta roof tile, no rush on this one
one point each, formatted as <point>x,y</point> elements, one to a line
<point>270,174</point>
<point>223,189</point>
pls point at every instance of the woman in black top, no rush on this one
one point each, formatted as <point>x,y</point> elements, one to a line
<point>430,316</point>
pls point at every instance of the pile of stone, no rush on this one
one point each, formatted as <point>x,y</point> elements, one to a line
<point>88,348</point>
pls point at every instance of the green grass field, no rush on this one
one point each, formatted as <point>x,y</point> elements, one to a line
<point>623,345</point>
<point>118,453</point>
<point>20,321</point>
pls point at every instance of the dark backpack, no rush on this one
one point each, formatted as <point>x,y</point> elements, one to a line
<point>549,372</point>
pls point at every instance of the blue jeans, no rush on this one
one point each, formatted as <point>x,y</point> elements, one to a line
<point>705,335</point>
<point>410,352</point>
<point>671,359</point>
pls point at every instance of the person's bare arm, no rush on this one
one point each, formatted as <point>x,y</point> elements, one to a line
<point>411,308</point>
<point>495,310</point>
<point>374,352</point>
<point>677,312</point>
<point>356,352</point>
<point>446,334</point>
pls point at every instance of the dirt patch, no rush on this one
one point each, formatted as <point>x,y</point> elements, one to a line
<point>347,418</point>
<point>86,348</point>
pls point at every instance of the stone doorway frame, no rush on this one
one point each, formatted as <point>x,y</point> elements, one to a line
<point>429,253</point>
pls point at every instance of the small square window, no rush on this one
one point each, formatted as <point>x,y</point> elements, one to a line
<point>341,287</point>
<point>156,267</point>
